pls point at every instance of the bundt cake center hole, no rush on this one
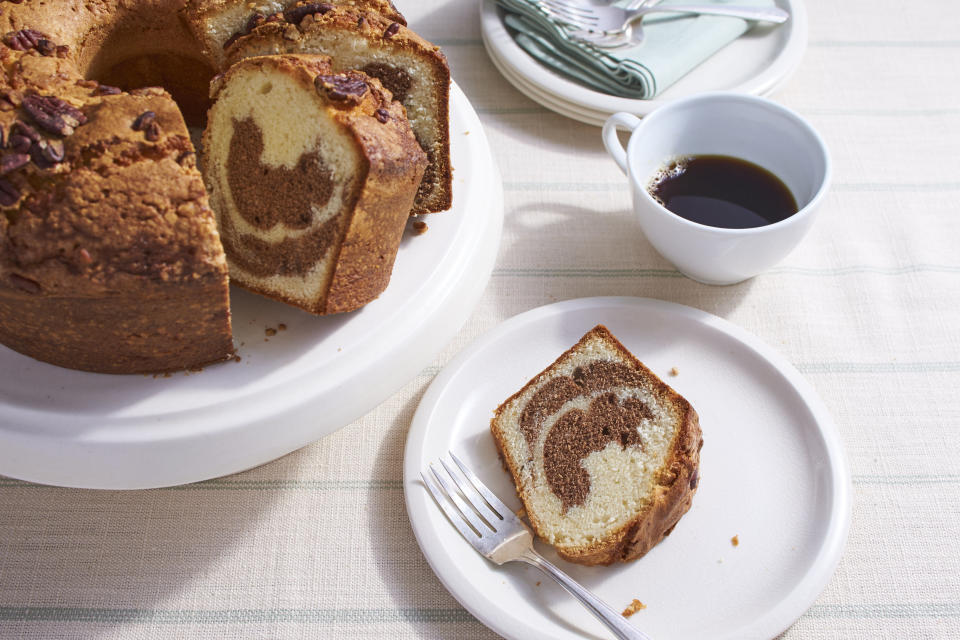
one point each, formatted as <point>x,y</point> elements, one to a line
<point>187,79</point>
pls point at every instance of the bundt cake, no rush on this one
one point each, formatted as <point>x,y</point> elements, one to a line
<point>110,257</point>
<point>604,455</point>
<point>312,174</point>
<point>414,71</point>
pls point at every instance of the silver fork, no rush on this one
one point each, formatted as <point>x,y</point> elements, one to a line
<point>499,535</point>
<point>613,21</point>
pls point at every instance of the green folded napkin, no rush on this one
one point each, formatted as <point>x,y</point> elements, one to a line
<point>673,44</point>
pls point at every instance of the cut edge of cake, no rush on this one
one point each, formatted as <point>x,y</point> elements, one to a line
<point>671,482</point>
<point>372,183</point>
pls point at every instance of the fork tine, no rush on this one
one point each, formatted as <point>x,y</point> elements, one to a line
<point>478,523</point>
<point>559,15</point>
<point>570,7</point>
<point>487,512</point>
<point>491,499</point>
<point>453,515</point>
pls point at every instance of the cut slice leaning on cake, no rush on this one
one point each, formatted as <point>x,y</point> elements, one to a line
<point>604,455</point>
<point>312,174</point>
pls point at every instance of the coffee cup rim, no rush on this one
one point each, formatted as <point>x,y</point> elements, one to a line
<point>651,119</point>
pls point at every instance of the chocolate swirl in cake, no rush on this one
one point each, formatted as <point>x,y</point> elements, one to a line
<point>577,433</point>
<point>265,196</point>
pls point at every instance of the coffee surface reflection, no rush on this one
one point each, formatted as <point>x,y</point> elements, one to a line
<point>722,191</point>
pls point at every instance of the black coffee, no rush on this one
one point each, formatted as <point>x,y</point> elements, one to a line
<point>722,191</point>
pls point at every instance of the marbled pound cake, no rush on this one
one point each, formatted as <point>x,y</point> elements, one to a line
<point>412,69</point>
<point>604,455</point>
<point>312,175</point>
<point>110,260</point>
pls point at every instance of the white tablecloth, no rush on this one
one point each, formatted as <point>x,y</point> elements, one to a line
<point>318,544</point>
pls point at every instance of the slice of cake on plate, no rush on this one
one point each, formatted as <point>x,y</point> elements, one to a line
<point>604,455</point>
<point>312,174</point>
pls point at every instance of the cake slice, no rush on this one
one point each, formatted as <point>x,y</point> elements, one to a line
<point>412,69</point>
<point>312,175</point>
<point>604,454</point>
<point>216,23</point>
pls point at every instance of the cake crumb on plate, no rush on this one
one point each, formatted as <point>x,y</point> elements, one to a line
<point>633,607</point>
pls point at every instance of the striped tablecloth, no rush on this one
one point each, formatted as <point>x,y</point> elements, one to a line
<point>318,544</point>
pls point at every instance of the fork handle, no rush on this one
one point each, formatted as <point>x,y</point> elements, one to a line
<point>614,621</point>
<point>763,14</point>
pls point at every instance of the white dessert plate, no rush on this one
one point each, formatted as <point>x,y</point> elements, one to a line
<point>78,429</point>
<point>773,474</point>
<point>757,63</point>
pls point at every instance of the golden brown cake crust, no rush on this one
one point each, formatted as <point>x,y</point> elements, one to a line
<point>103,213</point>
<point>676,482</point>
<point>297,34</point>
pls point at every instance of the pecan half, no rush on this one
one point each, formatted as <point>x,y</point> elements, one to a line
<point>47,153</point>
<point>107,90</point>
<point>392,30</point>
<point>20,143</point>
<point>12,162</point>
<point>24,39</point>
<point>53,114</point>
<point>345,89</point>
<point>143,121</point>
<point>9,194</point>
<point>21,128</point>
<point>152,133</point>
<point>46,47</point>
<point>297,14</point>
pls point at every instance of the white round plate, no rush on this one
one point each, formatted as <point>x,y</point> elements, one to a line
<point>772,473</point>
<point>758,63</point>
<point>79,429</point>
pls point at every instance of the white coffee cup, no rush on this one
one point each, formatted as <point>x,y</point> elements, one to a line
<point>731,124</point>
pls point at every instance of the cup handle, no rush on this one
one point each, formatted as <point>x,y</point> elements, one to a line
<point>620,120</point>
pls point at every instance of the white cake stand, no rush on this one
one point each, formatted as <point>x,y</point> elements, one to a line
<point>77,429</point>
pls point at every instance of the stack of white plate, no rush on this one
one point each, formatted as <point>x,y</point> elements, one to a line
<point>758,63</point>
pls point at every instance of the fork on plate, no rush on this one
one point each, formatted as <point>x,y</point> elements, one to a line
<point>604,23</point>
<point>499,535</point>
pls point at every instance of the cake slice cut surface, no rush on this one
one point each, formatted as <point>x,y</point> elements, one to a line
<point>604,455</point>
<point>312,175</point>
<point>412,69</point>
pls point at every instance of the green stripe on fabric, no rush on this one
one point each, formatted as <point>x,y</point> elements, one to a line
<point>926,478</point>
<point>885,610</point>
<point>397,485</point>
<point>826,43</point>
<point>233,616</point>
<point>899,44</point>
<point>613,187</point>
<point>260,485</point>
<point>91,615</point>
<point>508,272</point>
<point>509,111</point>
<point>810,111</point>
<point>896,113</point>
<point>945,366</point>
